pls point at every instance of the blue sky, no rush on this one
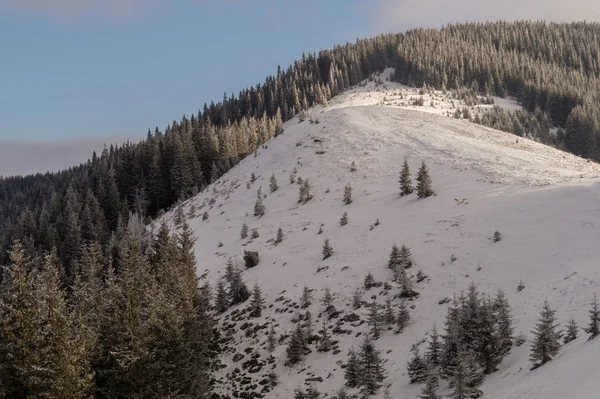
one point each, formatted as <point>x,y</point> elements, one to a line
<point>88,68</point>
<point>102,72</point>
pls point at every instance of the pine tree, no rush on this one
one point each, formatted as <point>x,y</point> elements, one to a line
<point>389,316</point>
<point>357,299</point>
<point>374,321</point>
<point>546,343</point>
<point>244,232</point>
<point>179,217</point>
<point>594,327</point>
<point>271,339</point>
<point>572,331</point>
<point>325,339</point>
<point>295,349</point>
<point>348,194</point>
<point>257,302</point>
<point>406,187</point>
<point>305,300</point>
<point>327,249</point>
<point>221,297</point>
<point>434,350</point>
<point>342,394</point>
<point>238,291</point>
<point>344,219</point>
<point>504,327</point>
<point>372,372</point>
<point>405,257</point>
<point>394,261</point>
<point>424,189</point>
<point>254,234</point>
<point>429,391</point>
<point>465,378</point>
<point>402,318</point>
<point>353,370</point>
<point>487,350</point>
<point>279,237</point>
<point>369,281</point>
<point>273,183</point>
<point>307,326</point>
<point>312,393</point>
<point>417,367</point>
<point>259,208</point>
<point>327,300</point>
<point>305,195</point>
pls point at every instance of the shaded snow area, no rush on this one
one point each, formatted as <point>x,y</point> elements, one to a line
<point>546,204</point>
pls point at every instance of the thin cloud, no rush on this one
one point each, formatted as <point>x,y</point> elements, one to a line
<point>113,9</point>
<point>399,15</point>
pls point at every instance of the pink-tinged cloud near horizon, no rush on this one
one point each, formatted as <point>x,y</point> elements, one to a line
<point>399,15</point>
<point>115,9</point>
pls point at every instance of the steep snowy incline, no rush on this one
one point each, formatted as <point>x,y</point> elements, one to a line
<point>546,203</point>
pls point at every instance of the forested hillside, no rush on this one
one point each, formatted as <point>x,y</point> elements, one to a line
<point>81,233</point>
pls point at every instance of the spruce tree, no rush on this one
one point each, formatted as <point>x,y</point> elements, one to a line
<point>429,391</point>
<point>546,342</point>
<point>572,331</point>
<point>417,367</point>
<point>394,260</point>
<point>271,339</point>
<point>434,350</point>
<point>348,194</point>
<point>405,257</point>
<point>465,377</point>
<point>402,318</point>
<point>593,328</point>
<point>295,349</point>
<point>312,393</point>
<point>327,249</point>
<point>487,351</point>
<point>374,321</point>
<point>342,394</point>
<point>369,281</point>
<point>273,183</point>
<point>324,339</point>
<point>424,189</point>
<point>389,316</point>
<point>357,299</point>
<point>372,372</point>
<point>306,299</point>
<point>504,327</point>
<point>353,370</point>
<point>327,300</point>
<point>259,208</point>
<point>344,219</point>
<point>279,237</point>
<point>307,326</point>
<point>238,291</point>
<point>406,187</point>
<point>257,302</point>
<point>244,231</point>
<point>221,297</point>
<point>305,194</point>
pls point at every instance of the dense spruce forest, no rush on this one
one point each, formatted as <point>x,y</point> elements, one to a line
<point>84,277</point>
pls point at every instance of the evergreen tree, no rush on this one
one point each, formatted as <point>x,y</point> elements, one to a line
<point>327,249</point>
<point>305,194</point>
<point>374,321</point>
<point>257,302</point>
<point>429,391</point>
<point>424,189</point>
<point>273,183</point>
<point>305,300</point>
<point>259,208</point>
<point>417,367</point>
<point>394,261</point>
<point>465,378</point>
<point>487,351</point>
<point>279,237</point>
<point>312,393</point>
<point>244,232</point>
<point>353,370</point>
<point>434,350</point>
<point>357,299</point>
<point>271,339</point>
<point>406,187</point>
<point>572,331</point>
<point>342,394</point>
<point>389,316</point>
<point>295,349</point>
<point>238,291</point>
<point>402,318</point>
<point>325,339</point>
<point>504,327</point>
<point>371,367</point>
<point>348,194</point>
<point>307,326</point>
<point>221,297</point>
<point>344,219</point>
<point>369,281</point>
<point>405,257</point>
<point>327,300</point>
<point>594,326</point>
<point>546,342</point>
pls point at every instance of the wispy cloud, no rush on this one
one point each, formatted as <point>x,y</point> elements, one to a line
<point>399,15</point>
<point>68,9</point>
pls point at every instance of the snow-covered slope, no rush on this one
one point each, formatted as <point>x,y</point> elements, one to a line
<point>546,204</point>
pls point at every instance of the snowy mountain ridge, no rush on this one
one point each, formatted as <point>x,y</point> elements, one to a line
<point>546,204</point>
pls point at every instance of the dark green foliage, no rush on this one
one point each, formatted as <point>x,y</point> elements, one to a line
<point>344,219</point>
<point>497,236</point>
<point>369,281</point>
<point>406,187</point>
<point>348,194</point>
<point>402,318</point>
<point>352,372</point>
<point>374,321</point>
<point>271,339</point>
<point>434,350</point>
<point>259,207</point>
<point>465,377</point>
<point>251,258</point>
<point>221,300</point>
<point>324,339</point>
<point>546,341</point>
<point>429,391</point>
<point>279,237</point>
<point>327,300</point>
<point>273,183</point>
<point>295,349</point>
<point>305,194</point>
<point>305,300</point>
<point>357,299</point>
<point>594,326</point>
<point>424,189</point>
<point>244,231</point>
<point>327,250</point>
<point>394,260</point>
<point>258,302</point>
<point>417,367</point>
<point>372,372</point>
<point>572,331</point>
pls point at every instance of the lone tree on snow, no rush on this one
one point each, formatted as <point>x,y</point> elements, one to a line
<point>424,189</point>
<point>327,249</point>
<point>406,187</point>
<point>546,343</point>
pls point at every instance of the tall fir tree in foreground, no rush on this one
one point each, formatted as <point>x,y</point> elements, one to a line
<point>295,349</point>
<point>465,377</point>
<point>424,189</point>
<point>546,342</point>
<point>257,302</point>
<point>372,371</point>
<point>352,371</point>
<point>416,367</point>
<point>429,391</point>
<point>594,326</point>
<point>406,186</point>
